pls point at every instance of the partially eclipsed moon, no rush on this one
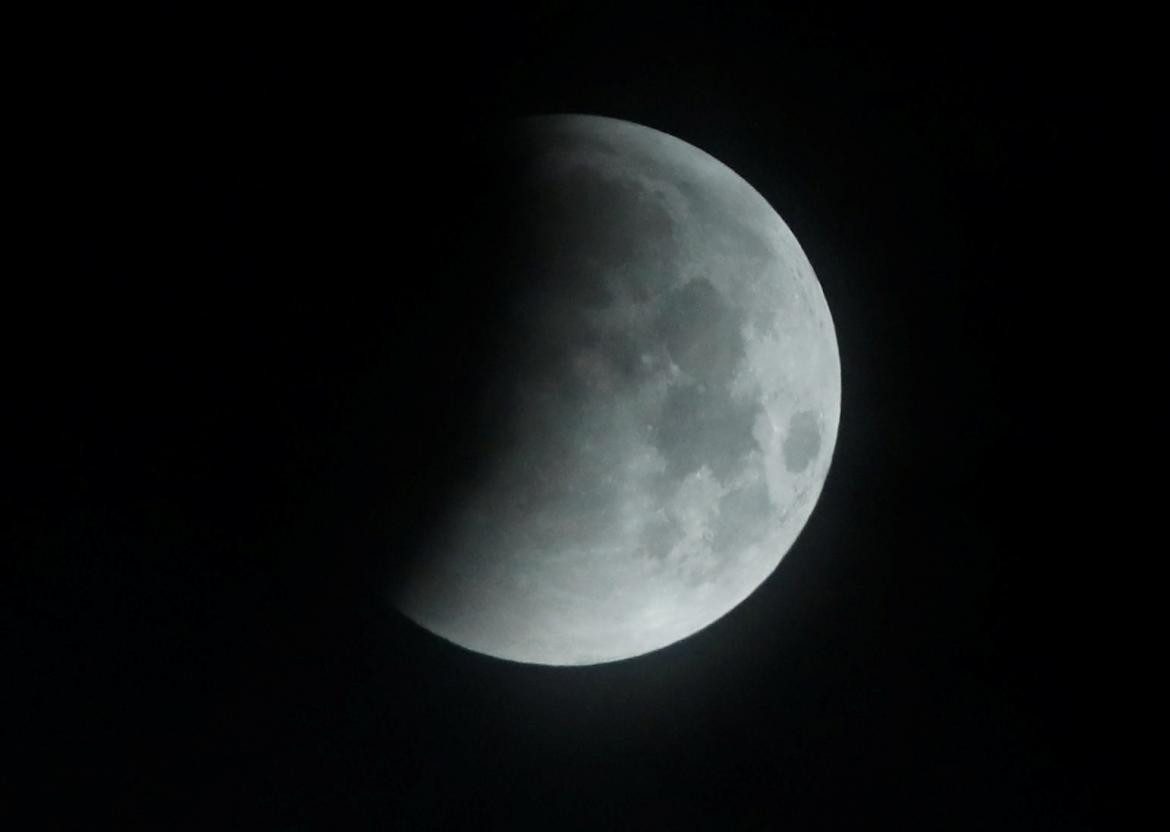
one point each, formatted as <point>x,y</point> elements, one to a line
<point>670,392</point>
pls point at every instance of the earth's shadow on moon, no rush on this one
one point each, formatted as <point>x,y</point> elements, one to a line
<point>422,415</point>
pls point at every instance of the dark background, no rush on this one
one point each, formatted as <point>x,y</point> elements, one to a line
<point>255,363</point>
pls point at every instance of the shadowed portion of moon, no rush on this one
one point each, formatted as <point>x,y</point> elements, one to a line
<point>657,411</point>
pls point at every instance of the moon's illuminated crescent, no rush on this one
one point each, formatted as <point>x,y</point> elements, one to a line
<point>672,392</point>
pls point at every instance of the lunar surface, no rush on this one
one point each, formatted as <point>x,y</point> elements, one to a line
<point>667,399</point>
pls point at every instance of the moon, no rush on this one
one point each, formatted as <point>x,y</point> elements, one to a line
<point>666,399</point>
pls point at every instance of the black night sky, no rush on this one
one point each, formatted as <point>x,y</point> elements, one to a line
<point>273,315</point>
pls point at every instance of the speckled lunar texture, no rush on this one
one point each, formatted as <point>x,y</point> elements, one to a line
<point>670,391</point>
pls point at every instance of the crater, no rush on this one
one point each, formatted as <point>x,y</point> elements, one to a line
<point>803,442</point>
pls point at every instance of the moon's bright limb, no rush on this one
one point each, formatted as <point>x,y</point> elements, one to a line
<point>671,395</point>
